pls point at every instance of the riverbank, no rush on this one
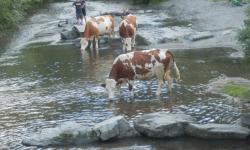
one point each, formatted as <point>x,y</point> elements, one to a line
<point>221,19</point>
<point>13,13</point>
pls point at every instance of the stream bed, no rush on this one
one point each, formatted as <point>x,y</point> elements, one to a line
<point>45,82</point>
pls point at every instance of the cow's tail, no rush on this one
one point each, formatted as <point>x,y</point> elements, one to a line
<point>177,72</point>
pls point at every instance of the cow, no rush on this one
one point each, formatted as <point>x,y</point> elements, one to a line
<point>141,65</point>
<point>127,31</point>
<point>95,27</point>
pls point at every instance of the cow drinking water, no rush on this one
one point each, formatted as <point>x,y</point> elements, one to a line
<point>141,65</point>
<point>95,27</point>
<point>127,31</point>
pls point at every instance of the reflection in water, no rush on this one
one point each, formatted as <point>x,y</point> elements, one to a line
<point>55,84</point>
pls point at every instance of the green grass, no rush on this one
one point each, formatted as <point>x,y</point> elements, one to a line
<point>240,91</point>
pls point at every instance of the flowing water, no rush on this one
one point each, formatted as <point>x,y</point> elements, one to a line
<point>45,82</point>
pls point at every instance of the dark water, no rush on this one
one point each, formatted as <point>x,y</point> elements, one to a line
<point>45,84</point>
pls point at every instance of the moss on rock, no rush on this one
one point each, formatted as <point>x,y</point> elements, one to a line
<point>240,91</point>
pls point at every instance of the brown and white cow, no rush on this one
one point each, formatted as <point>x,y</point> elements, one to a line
<point>95,27</point>
<point>141,65</point>
<point>127,31</point>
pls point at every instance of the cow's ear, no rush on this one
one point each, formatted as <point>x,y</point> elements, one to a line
<point>103,85</point>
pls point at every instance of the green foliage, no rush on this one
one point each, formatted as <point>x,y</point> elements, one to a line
<point>244,34</point>
<point>237,91</point>
<point>13,11</point>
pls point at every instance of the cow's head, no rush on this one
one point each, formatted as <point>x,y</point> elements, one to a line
<point>111,86</point>
<point>126,44</point>
<point>84,43</point>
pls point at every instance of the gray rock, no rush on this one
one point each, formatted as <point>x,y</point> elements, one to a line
<point>140,40</point>
<point>146,147</point>
<point>69,34</point>
<point>200,36</point>
<point>67,133</point>
<point>115,127</point>
<point>4,147</point>
<point>217,131</point>
<point>166,40</point>
<point>245,120</point>
<point>162,124</point>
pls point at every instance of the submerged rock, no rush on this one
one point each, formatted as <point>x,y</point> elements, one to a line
<point>245,120</point>
<point>217,131</point>
<point>4,147</point>
<point>115,127</point>
<point>162,124</point>
<point>67,133</point>
<point>200,36</point>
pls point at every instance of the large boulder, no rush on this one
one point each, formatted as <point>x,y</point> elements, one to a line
<point>67,133</point>
<point>115,127</point>
<point>217,131</point>
<point>245,120</point>
<point>162,124</point>
<point>140,40</point>
<point>70,34</point>
<point>238,88</point>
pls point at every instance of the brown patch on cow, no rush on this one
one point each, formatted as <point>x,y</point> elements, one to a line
<point>141,58</point>
<point>90,30</point>
<point>107,28</point>
<point>119,70</point>
<point>131,19</point>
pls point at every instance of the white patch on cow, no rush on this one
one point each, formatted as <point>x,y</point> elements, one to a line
<point>110,87</point>
<point>101,26</point>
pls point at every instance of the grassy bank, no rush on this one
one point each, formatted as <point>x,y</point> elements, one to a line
<point>12,12</point>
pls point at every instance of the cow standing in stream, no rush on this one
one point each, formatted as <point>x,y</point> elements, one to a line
<point>141,65</point>
<point>95,27</point>
<point>127,31</point>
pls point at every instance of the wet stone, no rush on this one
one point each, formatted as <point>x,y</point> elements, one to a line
<point>200,36</point>
<point>217,131</point>
<point>4,147</point>
<point>162,124</point>
<point>69,34</point>
<point>115,127</point>
<point>67,133</point>
<point>245,120</point>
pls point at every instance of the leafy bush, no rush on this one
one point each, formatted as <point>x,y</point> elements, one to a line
<point>13,11</point>
<point>244,35</point>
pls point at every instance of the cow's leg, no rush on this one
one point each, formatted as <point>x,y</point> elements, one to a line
<point>96,43</point>
<point>123,45</point>
<point>91,43</point>
<point>160,83</point>
<point>169,79</point>
<point>133,41</point>
<point>131,88</point>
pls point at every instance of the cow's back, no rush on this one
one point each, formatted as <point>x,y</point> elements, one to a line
<point>104,24</point>
<point>143,64</point>
<point>99,25</point>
